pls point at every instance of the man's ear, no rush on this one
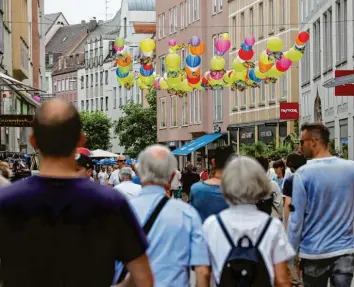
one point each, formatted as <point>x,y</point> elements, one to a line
<point>33,141</point>
<point>82,140</point>
<point>213,162</point>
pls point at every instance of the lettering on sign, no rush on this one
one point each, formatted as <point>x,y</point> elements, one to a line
<point>266,134</point>
<point>16,120</point>
<point>246,135</point>
<point>289,111</point>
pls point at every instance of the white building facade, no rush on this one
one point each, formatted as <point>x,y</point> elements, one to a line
<point>331,27</point>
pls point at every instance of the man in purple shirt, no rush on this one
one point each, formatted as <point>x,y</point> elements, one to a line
<point>61,230</point>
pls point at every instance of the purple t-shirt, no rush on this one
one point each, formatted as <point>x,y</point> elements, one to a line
<point>65,232</point>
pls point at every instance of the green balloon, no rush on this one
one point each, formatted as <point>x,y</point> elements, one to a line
<point>120,42</point>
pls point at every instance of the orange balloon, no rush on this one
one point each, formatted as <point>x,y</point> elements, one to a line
<point>264,67</point>
<point>191,74</point>
<point>299,43</point>
<point>199,50</point>
<point>124,61</point>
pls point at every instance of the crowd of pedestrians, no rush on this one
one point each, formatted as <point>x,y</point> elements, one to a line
<point>250,222</point>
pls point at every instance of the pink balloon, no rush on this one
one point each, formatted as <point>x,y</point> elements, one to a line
<point>217,76</point>
<point>115,47</point>
<point>250,41</point>
<point>283,64</point>
<point>172,43</point>
<point>120,49</point>
<point>157,83</point>
<point>222,46</point>
<point>37,99</point>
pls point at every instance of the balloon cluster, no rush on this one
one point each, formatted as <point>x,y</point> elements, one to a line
<point>125,76</point>
<point>147,73</point>
<point>215,77</point>
<point>193,63</point>
<point>296,53</point>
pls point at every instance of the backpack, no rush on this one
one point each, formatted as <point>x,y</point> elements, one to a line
<point>244,266</point>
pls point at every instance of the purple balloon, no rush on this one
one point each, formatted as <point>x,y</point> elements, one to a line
<point>37,99</point>
<point>217,53</point>
<point>172,43</point>
<point>250,41</point>
<point>195,41</point>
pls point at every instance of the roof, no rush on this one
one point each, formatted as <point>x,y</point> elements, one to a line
<point>66,38</point>
<point>49,20</point>
<point>141,5</point>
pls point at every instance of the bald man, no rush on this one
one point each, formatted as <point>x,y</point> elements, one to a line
<point>61,230</point>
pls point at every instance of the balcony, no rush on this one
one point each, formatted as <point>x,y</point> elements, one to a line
<point>21,63</point>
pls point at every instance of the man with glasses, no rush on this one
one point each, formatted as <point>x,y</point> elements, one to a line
<point>114,179</point>
<point>321,221</point>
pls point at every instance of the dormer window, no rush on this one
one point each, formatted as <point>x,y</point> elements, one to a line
<point>64,39</point>
<point>51,59</point>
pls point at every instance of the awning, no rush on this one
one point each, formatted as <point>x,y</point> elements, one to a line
<point>102,153</point>
<point>339,81</point>
<point>197,144</point>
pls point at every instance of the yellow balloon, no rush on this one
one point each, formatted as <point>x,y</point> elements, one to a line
<point>225,36</point>
<point>173,61</point>
<point>217,63</point>
<point>228,77</point>
<point>237,65</point>
<point>274,73</point>
<point>147,45</point>
<point>275,44</point>
<point>141,85</point>
<point>185,87</point>
<point>259,74</point>
<point>216,82</point>
<point>173,82</point>
<point>163,84</point>
<point>293,55</point>
<point>239,76</point>
<point>263,57</point>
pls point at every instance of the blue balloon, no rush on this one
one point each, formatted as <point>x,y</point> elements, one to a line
<point>120,75</point>
<point>146,73</point>
<point>252,76</point>
<point>246,47</point>
<point>193,61</point>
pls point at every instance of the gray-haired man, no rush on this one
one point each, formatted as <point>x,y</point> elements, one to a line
<point>127,186</point>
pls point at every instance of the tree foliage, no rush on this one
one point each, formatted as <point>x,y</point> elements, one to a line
<point>96,126</point>
<point>266,150</point>
<point>137,128</point>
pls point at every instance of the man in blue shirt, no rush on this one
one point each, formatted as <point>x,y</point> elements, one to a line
<point>321,223</point>
<point>206,196</point>
<point>176,239</point>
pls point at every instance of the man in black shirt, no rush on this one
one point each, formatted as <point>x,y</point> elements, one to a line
<point>61,230</point>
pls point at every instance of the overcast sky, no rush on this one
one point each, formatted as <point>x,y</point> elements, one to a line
<point>77,10</point>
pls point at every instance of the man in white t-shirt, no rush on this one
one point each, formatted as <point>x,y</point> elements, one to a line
<point>114,178</point>
<point>102,176</point>
<point>176,183</point>
<point>127,186</point>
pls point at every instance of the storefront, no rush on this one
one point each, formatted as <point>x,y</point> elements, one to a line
<point>267,133</point>
<point>247,135</point>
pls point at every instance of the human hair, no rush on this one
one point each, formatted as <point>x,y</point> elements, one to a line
<point>244,181</point>
<point>156,165</point>
<point>58,135</point>
<point>222,156</point>
<point>125,173</point>
<point>317,130</point>
<point>194,169</point>
<point>279,164</point>
<point>295,160</point>
<point>264,162</point>
<point>189,167</point>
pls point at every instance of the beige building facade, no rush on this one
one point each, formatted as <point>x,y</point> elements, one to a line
<point>254,114</point>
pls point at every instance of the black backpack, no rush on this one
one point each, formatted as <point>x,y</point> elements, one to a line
<point>244,266</point>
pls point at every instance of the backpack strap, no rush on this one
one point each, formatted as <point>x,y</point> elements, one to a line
<point>260,238</point>
<point>147,227</point>
<point>221,223</point>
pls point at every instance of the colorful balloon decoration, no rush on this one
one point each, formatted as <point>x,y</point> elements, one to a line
<point>124,64</point>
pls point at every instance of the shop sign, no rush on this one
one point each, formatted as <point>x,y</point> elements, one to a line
<point>289,111</point>
<point>266,134</point>
<point>344,90</point>
<point>172,144</point>
<point>271,124</point>
<point>16,120</point>
<point>246,136</point>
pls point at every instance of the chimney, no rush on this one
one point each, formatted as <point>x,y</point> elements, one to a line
<point>92,25</point>
<point>83,22</point>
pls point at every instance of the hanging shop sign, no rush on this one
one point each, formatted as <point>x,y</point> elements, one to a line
<point>16,120</point>
<point>346,89</point>
<point>289,111</point>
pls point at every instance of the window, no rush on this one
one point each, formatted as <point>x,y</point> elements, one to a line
<point>218,103</point>
<point>170,18</point>
<point>263,92</point>
<point>182,15</point>
<point>163,114</point>
<point>234,31</point>
<point>305,63</point>
<point>125,96</point>
<point>55,86</point>
<point>96,77</point>
<point>282,13</point>
<point>284,92</point>
<point>71,84</point>
<point>106,103</point>
<point>236,99</point>
<point>341,30</point>
<point>192,107</point>
<point>317,41</point>
<point>87,81</point>
<point>198,107</point>
<point>163,24</point>
<point>251,22</point>
<point>190,11</point>
<point>51,59</point>
<point>120,96</point>
<point>106,76</point>
<point>125,27</point>
<point>82,105</point>
<point>253,96</point>
<point>114,98</point>
<point>91,80</point>
<point>243,26</point>
<point>184,111</point>
<point>197,9</point>
<point>101,104</point>
<point>71,60</point>
<point>271,16</point>
<point>67,84</point>
<point>77,59</point>
<point>261,21</point>
<point>214,41</point>
<point>97,108</point>
<point>162,65</point>
<point>159,20</point>
<point>175,19</point>
<point>101,78</point>
<point>220,5</point>
<point>63,85</point>
<point>272,91</point>
<point>82,80</point>
<point>87,105</point>
<point>214,6</point>
<point>173,111</point>
<point>244,98</point>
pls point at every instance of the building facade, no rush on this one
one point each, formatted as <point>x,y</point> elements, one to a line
<point>255,113</point>
<point>331,26</point>
<point>181,120</point>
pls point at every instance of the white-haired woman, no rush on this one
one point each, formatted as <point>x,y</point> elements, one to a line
<point>242,227</point>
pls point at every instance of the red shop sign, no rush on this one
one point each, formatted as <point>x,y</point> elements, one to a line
<point>289,111</point>
<point>344,90</point>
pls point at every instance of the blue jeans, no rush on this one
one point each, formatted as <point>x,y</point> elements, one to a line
<point>339,270</point>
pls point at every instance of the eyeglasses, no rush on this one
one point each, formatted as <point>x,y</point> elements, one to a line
<point>121,160</point>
